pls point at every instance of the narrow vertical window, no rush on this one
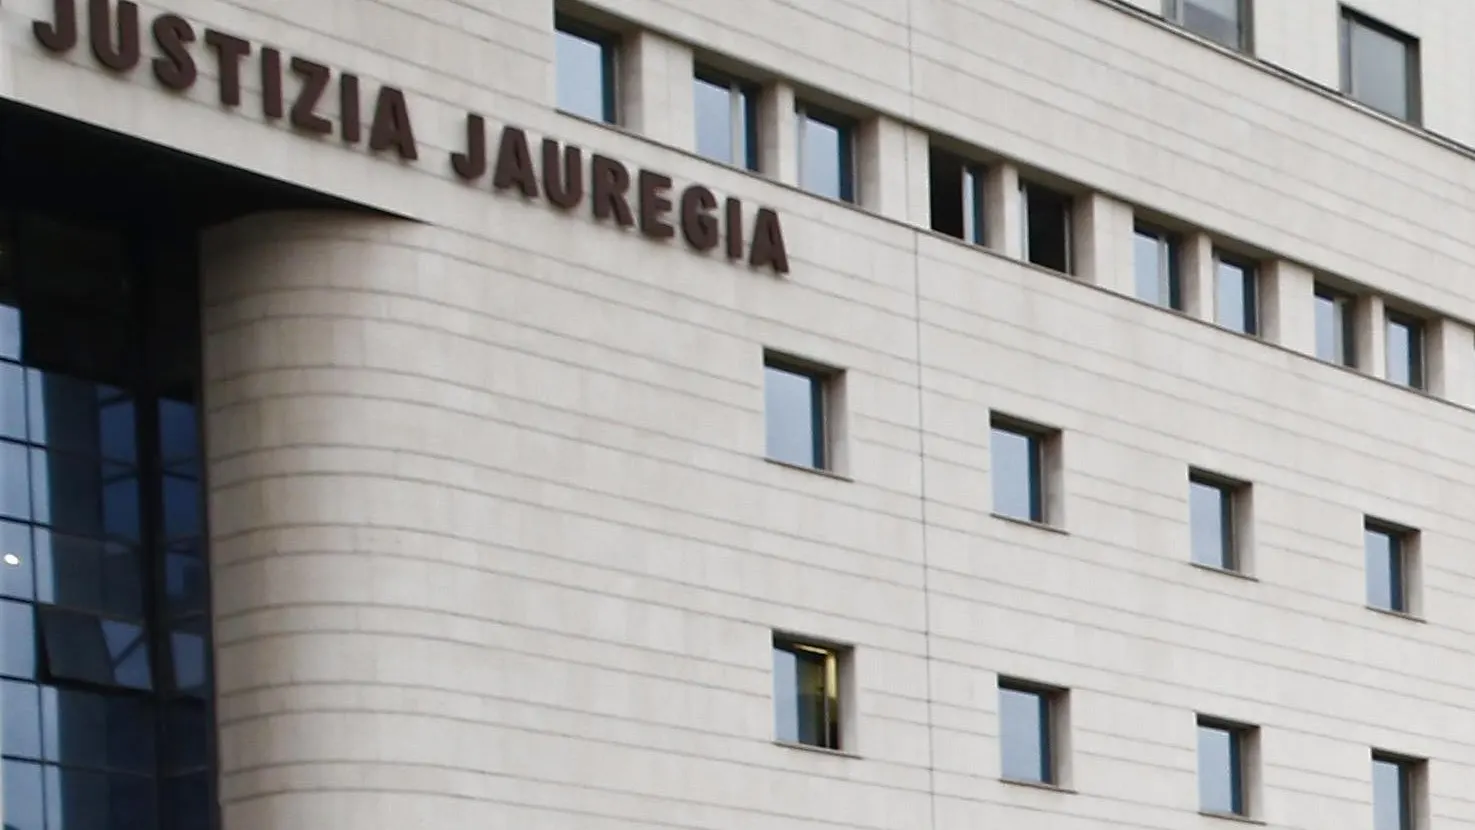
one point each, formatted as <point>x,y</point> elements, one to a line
<point>1020,462</point>
<point>826,153</point>
<point>1380,66</point>
<point>1028,731</point>
<point>1405,344</point>
<point>956,187</point>
<point>807,693</point>
<point>1214,505</point>
<point>585,65</point>
<point>795,397</point>
<point>1397,781</point>
<point>1226,22</point>
<point>1335,325</point>
<point>726,118</point>
<point>1223,750</point>
<point>1155,265</point>
<point>1389,553</point>
<point>1237,300</point>
<point>1046,216</point>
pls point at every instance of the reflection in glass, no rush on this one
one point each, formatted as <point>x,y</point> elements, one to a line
<point>1376,67</point>
<point>825,156</point>
<point>794,416</point>
<point>89,575</point>
<point>1219,772</point>
<point>726,120</point>
<point>16,580</point>
<point>1015,465</point>
<point>585,68</point>
<point>1236,303</point>
<point>15,486</point>
<point>12,402</point>
<point>1217,20</point>
<point>98,731</point>
<point>1334,327</point>
<point>95,650</point>
<point>1405,351</point>
<point>1155,268</point>
<point>1209,524</point>
<point>1024,735</point>
<point>805,693</point>
<point>98,800</point>
<point>22,799</point>
<point>9,332</point>
<point>1391,801</point>
<point>1384,555</point>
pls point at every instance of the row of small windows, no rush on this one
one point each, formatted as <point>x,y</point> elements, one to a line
<point>726,110</point>
<point>802,415</point>
<point>1379,64</point>
<point>814,704</point>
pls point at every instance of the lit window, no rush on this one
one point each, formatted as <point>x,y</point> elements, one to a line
<point>807,694</point>
<point>1380,66</point>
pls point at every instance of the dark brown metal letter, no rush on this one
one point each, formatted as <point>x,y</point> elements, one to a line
<point>60,35</point>
<point>472,164</point>
<point>392,128</point>
<point>515,163</point>
<point>734,211</point>
<point>229,52</point>
<point>654,204</point>
<point>124,56</point>
<point>768,242</point>
<point>315,78</point>
<point>610,183</point>
<point>272,103</point>
<point>175,68</point>
<point>698,224</point>
<point>563,181</point>
<point>350,112</point>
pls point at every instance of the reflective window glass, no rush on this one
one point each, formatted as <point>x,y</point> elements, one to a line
<point>1405,344</point>
<point>1236,302</point>
<point>15,486</point>
<point>1155,266</point>
<point>806,695</point>
<point>826,155</point>
<point>1385,564</point>
<point>794,416</point>
<point>97,731</point>
<point>726,119</point>
<point>1221,21</point>
<point>187,652</point>
<point>1016,471</point>
<point>97,801</point>
<point>94,650</point>
<point>17,563</point>
<point>1024,734</point>
<point>1391,803</point>
<point>585,69</point>
<point>1334,327</point>
<point>89,575</point>
<point>18,627</point>
<point>21,719</point>
<point>1210,523</point>
<point>1219,774</point>
<point>12,402</point>
<point>1379,66</point>
<point>23,800</point>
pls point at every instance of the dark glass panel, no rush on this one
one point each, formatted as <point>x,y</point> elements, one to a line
<point>92,650</point>
<point>82,800</point>
<point>21,719</point>
<point>90,575</point>
<point>98,731</point>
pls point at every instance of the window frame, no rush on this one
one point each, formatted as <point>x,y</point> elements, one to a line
<point>1174,12</point>
<point>1418,364</point>
<point>1039,438</point>
<point>820,379</point>
<point>1049,700</point>
<point>1170,250</point>
<point>743,97</point>
<point>1239,735</point>
<point>1027,189</point>
<point>1349,17</point>
<point>835,731</point>
<point>972,185</point>
<point>1399,540</point>
<point>1250,271</point>
<point>846,127</point>
<point>1408,778</point>
<point>609,44</point>
<point>1231,493</point>
<point>1346,304</point>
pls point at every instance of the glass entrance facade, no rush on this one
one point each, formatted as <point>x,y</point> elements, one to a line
<point>105,675</point>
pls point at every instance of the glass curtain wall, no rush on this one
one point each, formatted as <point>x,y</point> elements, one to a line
<point>105,677</point>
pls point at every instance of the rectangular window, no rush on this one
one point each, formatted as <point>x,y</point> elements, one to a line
<point>807,694</point>
<point>1028,731</point>
<point>1237,300</point>
<point>1380,66</point>
<point>1019,462</point>
<point>1389,553</point>
<point>1155,264</point>
<point>1226,22</point>
<point>1396,784</point>
<point>1214,504</point>
<point>794,402</point>
<point>1046,226</point>
<point>956,186</point>
<point>585,65</point>
<point>1335,325</point>
<point>826,153</point>
<point>1223,761</point>
<point>1405,336</point>
<point>726,118</point>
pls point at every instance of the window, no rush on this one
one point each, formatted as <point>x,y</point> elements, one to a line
<point>1396,784</point>
<point>795,414</point>
<point>1405,336</point>
<point>1029,732</point>
<point>1380,66</point>
<point>1155,263</point>
<point>1020,457</point>
<point>1214,505</point>
<point>1237,304</point>
<point>807,693</point>
<point>726,118</point>
<point>1390,553</point>
<point>826,153</point>
<point>957,195</point>
<point>585,65</point>
<point>1226,22</point>
<point>1335,326</point>
<point>1224,756</point>
<point>1046,225</point>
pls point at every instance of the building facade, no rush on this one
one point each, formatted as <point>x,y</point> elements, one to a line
<point>881,414</point>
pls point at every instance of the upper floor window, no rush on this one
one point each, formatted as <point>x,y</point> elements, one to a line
<point>1214,508</point>
<point>956,186</point>
<point>826,153</point>
<point>1405,350</point>
<point>1030,731</point>
<point>808,681</point>
<point>796,400</point>
<point>1237,300</point>
<point>726,118</point>
<point>1021,457</point>
<point>585,65</point>
<point>1391,554</point>
<point>1155,261</point>
<point>1397,792</point>
<point>1380,66</point>
<point>1046,215</point>
<point>1226,22</point>
<point>1335,326</point>
<point>1225,762</point>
